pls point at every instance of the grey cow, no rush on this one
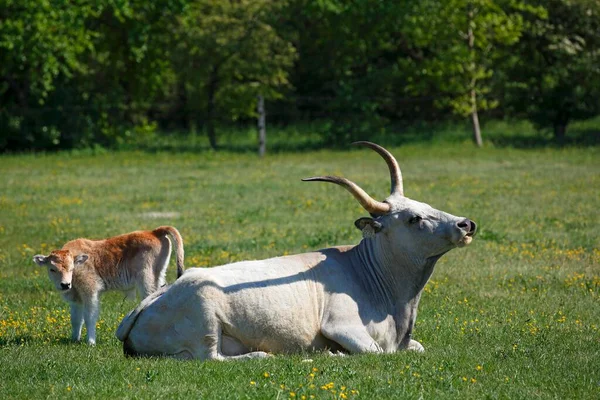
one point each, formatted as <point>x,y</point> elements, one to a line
<point>350,299</point>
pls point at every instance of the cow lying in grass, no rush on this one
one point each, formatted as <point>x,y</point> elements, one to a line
<point>84,268</point>
<point>352,299</point>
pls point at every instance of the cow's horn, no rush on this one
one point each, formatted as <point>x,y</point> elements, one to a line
<point>371,205</point>
<point>395,174</point>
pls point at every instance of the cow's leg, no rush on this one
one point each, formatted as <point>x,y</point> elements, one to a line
<point>76,321</point>
<point>232,347</point>
<point>90,315</point>
<point>221,347</point>
<point>353,338</point>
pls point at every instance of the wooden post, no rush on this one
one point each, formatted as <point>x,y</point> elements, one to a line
<point>262,133</point>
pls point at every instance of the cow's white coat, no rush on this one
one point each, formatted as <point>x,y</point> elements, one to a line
<point>351,299</point>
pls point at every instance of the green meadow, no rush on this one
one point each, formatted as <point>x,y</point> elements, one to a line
<point>514,315</point>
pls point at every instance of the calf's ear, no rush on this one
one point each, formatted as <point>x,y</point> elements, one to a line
<point>80,259</point>
<point>40,259</point>
<point>368,226</point>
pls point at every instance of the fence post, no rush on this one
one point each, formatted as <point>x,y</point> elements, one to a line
<point>262,133</point>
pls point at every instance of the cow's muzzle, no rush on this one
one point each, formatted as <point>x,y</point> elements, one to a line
<point>65,286</point>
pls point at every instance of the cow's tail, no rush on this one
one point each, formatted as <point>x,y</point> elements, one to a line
<point>176,237</point>
<point>129,320</point>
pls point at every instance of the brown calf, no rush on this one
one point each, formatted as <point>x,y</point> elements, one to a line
<point>84,268</point>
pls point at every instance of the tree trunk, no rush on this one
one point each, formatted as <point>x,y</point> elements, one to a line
<point>262,133</point>
<point>560,132</point>
<point>475,120</point>
<point>210,114</point>
<point>182,112</point>
<point>474,116</point>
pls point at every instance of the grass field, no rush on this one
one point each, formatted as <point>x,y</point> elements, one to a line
<point>514,315</point>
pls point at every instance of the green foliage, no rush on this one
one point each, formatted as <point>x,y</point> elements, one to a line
<point>227,54</point>
<point>503,317</point>
<point>83,74</point>
<point>79,73</point>
<point>465,41</point>
<point>556,77</point>
<point>40,46</point>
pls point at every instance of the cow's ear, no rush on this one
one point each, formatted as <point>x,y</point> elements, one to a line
<point>40,259</point>
<point>368,226</point>
<point>80,259</point>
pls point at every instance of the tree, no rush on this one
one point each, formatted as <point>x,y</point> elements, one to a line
<point>40,47</point>
<point>228,54</point>
<point>130,68</point>
<point>556,76</point>
<point>75,73</point>
<point>464,40</point>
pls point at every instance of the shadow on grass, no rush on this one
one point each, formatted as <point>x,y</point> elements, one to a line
<point>500,133</point>
<point>588,137</point>
<point>280,141</point>
<point>316,136</point>
<point>241,148</point>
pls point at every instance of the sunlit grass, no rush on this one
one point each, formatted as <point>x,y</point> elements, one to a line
<point>514,315</point>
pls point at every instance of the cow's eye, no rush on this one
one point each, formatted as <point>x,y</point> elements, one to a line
<point>414,219</point>
<point>53,270</point>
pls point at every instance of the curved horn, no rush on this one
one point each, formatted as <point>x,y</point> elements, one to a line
<point>371,205</point>
<point>395,174</point>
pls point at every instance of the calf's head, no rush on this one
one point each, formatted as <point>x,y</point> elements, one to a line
<point>407,227</point>
<point>60,265</point>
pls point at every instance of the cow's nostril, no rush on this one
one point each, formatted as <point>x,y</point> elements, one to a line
<point>464,224</point>
<point>65,286</point>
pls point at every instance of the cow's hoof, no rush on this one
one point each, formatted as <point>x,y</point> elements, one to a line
<point>258,354</point>
<point>415,346</point>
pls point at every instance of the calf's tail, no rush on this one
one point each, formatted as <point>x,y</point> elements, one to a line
<point>176,237</point>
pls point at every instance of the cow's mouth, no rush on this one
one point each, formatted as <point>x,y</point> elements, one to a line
<point>465,241</point>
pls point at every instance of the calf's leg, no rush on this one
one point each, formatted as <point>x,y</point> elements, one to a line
<point>90,315</point>
<point>76,321</point>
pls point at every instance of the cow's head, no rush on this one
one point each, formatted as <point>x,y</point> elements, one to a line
<point>60,264</point>
<point>406,227</point>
